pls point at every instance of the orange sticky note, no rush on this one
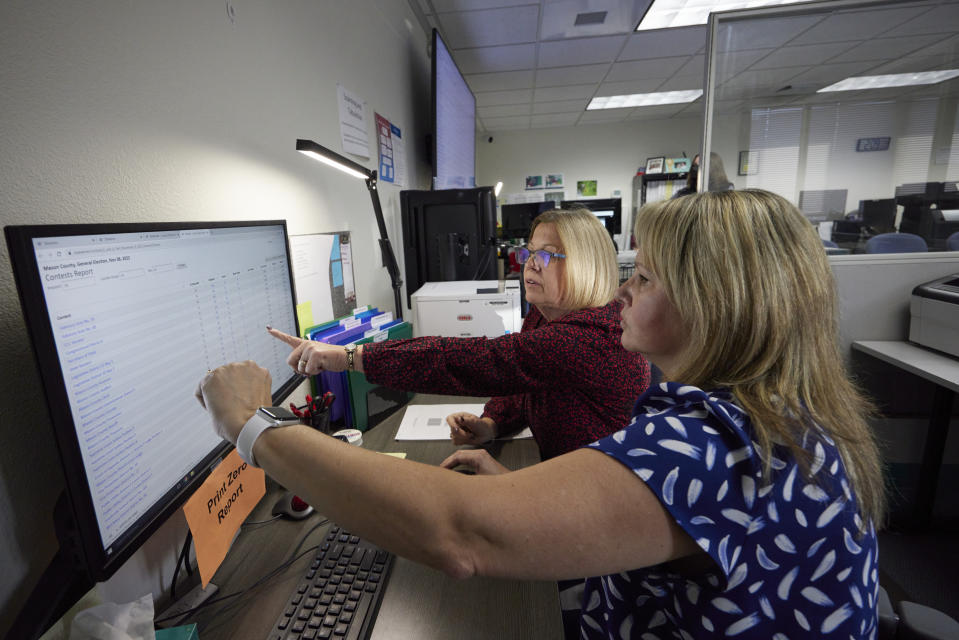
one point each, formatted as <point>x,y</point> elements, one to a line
<point>219,507</point>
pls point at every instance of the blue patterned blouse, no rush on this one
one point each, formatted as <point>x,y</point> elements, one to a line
<point>786,560</point>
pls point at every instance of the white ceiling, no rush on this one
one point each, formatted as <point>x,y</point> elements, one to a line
<point>530,66</point>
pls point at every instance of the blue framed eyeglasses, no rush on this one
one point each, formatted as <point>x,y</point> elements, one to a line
<point>523,254</point>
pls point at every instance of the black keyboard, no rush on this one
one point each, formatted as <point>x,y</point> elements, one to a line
<point>340,593</point>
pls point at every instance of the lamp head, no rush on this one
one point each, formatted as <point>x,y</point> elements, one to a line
<point>333,159</point>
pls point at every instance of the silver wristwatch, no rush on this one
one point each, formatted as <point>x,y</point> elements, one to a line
<point>264,418</point>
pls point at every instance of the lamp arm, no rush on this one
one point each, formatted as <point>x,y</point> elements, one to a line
<point>389,258</point>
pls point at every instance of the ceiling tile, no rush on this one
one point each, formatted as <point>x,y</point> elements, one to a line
<point>694,66</point>
<point>604,115</point>
<point>567,53</point>
<point>506,124</point>
<point>500,81</point>
<point>560,106</point>
<point>555,119</point>
<point>444,6</point>
<point>495,59</point>
<point>733,62</point>
<point>571,75</point>
<point>551,94</point>
<point>497,98</point>
<point>886,48</point>
<point>801,56</point>
<point>944,19</point>
<point>910,64</point>
<point>559,17</point>
<point>826,74</point>
<point>491,27</point>
<point>503,110</point>
<point>683,83</point>
<point>655,112</point>
<point>658,68</point>
<point>628,87</point>
<point>865,23</point>
<point>761,34</point>
<point>663,43</point>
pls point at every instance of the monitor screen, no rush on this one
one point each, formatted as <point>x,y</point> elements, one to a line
<point>125,320</point>
<point>822,205</point>
<point>517,218</point>
<point>454,123</point>
<point>608,210</point>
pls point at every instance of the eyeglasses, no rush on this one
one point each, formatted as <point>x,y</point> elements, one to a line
<point>523,254</point>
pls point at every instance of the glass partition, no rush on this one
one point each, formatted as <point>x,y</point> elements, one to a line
<point>846,108</point>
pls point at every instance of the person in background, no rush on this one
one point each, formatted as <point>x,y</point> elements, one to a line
<point>691,177</point>
<point>565,374</point>
<point>717,176</point>
<point>741,500</point>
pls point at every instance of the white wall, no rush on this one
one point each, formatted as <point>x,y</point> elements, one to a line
<point>608,153</point>
<point>125,112</point>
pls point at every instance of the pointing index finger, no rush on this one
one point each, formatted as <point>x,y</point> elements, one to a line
<point>293,341</point>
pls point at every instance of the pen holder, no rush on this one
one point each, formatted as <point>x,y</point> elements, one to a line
<point>321,420</point>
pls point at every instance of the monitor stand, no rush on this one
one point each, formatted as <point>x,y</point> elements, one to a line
<point>62,584</point>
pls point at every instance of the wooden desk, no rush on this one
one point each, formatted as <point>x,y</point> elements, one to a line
<point>942,370</point>
<point>419,602</point>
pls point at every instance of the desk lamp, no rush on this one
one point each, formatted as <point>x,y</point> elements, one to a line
<point>324,155</point>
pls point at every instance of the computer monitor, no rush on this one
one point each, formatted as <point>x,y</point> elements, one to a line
<point>448,235</point>
<point>125,319</point>
<point>454,122</point>
<point>608,210</point>
<point>823,204</point>
<point>878,215</point>
<point>517,218</point>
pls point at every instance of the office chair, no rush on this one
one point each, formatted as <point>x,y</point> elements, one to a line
<point>952,242</point>
<point>896,243</point>
<point>913,621</point>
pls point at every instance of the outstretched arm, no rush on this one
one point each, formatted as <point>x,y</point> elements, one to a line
<point>528,524</point>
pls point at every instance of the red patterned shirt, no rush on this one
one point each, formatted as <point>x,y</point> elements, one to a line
<point>569,380</point>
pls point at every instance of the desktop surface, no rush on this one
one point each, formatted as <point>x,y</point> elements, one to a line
<point>419,602</point>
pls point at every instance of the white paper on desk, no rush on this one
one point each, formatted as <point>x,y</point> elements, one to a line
<point>428,422</point>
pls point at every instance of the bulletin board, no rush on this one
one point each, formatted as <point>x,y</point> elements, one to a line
<point>322,276</point>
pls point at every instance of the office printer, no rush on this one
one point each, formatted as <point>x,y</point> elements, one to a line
<point>934,315</point>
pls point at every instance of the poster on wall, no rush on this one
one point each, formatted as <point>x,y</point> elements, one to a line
<point>384,144</point>
<point>534,182</point>
<point>392,152</point>
<point>554,181</point>
<point>585,188</point>
<point>353,134</point>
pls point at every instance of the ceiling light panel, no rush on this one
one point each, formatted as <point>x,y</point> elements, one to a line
<point>666,14</point>
<point>643,99</point>
<point>894,80</point>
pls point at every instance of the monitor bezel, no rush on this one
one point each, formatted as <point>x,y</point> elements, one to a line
<point>96,563</point>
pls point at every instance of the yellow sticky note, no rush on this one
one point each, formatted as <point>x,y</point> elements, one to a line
<point>395,454</point>
<point>219,507</point>
<point>304,315</point>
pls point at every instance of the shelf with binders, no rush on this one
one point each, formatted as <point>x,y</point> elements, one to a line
<point>659,186</point>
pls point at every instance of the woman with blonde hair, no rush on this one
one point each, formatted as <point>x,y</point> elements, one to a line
<point>565,375</point>
<point>742,499</point>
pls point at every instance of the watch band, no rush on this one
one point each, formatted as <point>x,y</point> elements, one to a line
<point>248,435</point>
<point>350,354</point>
<point>255,426</point>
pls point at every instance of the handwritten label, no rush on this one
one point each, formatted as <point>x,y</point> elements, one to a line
<point>219,507</point>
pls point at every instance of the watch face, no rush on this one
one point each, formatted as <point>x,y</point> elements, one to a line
<point>278,413</point>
